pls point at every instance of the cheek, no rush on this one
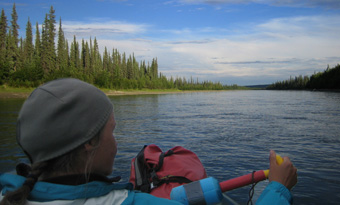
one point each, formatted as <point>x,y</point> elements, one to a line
<point>115,146</point>
<point>112,147</point>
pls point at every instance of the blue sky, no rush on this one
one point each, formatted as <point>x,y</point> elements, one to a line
<point>242,42</point>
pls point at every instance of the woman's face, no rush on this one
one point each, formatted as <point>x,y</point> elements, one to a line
<point>107,149</point>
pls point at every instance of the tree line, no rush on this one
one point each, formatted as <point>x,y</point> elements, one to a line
<point>328,79</point>
<point>24,63</point>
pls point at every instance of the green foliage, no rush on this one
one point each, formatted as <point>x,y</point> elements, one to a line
<point>24,64</point>
<point>329,79</point>
<point>297,83</point>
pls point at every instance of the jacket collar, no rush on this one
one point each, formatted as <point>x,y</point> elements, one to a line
<point>77,179</point>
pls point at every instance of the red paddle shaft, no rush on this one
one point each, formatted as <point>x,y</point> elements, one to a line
<point>247,179</point>
<point>242,181</point>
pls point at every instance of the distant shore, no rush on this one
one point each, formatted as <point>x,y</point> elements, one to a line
<point>24,93</point>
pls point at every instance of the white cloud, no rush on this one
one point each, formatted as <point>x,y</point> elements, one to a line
<point>102,28</point>
<point>278,49</point>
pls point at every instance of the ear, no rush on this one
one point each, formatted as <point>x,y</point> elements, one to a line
<point>90,145</point>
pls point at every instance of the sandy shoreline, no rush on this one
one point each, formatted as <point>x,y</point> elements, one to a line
<point>113,93</point>
<point>4,95</point>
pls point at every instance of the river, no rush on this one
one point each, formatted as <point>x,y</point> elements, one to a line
<point>231,132</point>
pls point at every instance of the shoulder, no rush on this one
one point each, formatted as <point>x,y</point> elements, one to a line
<point>10,182</point>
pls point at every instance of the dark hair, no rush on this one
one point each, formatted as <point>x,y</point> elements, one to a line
<point>19,196</point>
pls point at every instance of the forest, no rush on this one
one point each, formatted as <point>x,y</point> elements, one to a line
<point>33,60</point>
<point>326,80</point>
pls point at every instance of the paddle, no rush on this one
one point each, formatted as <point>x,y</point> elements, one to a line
<point>210,191</point>
<point>248,178</point>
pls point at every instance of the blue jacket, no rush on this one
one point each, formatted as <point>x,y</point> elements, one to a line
<point>275,193</point>
<point>95,192</point>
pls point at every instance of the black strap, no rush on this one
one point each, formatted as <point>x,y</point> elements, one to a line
<point>178,179</point>
<point>140,170</point>
<point>169,152</point>
<point>77,179</point>
<point>160,161</point>
<point>251,191</point>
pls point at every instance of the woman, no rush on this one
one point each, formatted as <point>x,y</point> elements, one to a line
<point>65,127</point>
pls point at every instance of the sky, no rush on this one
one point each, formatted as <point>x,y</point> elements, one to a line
<point>243,42</point>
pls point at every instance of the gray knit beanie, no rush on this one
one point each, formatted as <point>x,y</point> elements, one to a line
<point>59,116</point>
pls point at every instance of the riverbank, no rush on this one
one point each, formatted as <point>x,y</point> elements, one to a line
<point>141,92</point>
<point>10,92</point>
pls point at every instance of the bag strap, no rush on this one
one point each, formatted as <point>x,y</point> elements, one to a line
<point>154,177</point>
<point>161,158</point>
<point>140,169</point>
<point>178,179</point>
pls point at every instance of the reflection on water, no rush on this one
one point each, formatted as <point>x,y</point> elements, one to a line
<point>232,133</point>
<point>10,153</point>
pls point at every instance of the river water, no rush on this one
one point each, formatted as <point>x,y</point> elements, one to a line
<point>231,132</point>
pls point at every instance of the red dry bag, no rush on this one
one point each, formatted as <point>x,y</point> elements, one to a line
<point>157,172</point>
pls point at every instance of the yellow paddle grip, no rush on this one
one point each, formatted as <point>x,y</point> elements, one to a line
<point>279,161</point>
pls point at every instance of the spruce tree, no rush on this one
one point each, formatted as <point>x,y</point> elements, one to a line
<point>10,59</point>
<point>3,32</point>
<point>105,60</point>
<point>37,44</point>
<point>67,55</point>
<point>21,56</point>
<point>28,46</point>
<point>87,59</point>
<point>124,66</point>
<point>82,55</point>
<point>116,64</point>
<point>15,26</point>
<point>154,69</point>
<point>13,52</point>
<point>37,49</point>
<point>91,50</point>
<point>61,50</point>
<point>74,54</point>
<point>97,61</point>
<point>142,69</point>
<point>51,37</point>
<point>135,67</point>
<point>44,47</point>
<point>129,68</point>
<point>48,54</point>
